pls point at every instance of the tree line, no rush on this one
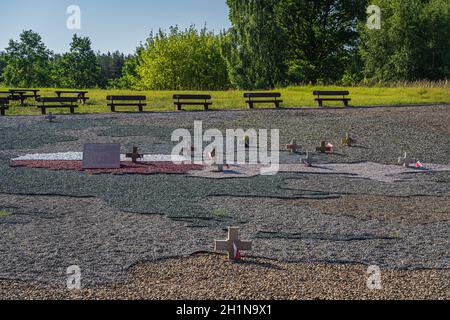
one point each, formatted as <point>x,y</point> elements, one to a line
<point>271,43</point>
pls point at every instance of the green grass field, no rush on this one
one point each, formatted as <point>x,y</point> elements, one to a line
<point>292,96</point>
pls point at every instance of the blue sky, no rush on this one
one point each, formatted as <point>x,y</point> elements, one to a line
<point>111,24</point>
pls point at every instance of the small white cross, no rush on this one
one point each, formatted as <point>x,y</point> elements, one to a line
<point>232,243</point>
<point>406,161</point>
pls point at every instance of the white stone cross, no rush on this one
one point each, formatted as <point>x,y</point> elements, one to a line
<point>406,161</point>
<point>233,245</point>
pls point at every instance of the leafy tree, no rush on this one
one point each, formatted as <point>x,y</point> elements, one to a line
<point>254,46</point>
<point>413,43</point>
<point>111,65</point>
<point>2,64</point>
<point>321,37</point>
<point>130,78</point>
<point>436,57</point>
<point>181,60</point>
<point>78,68</point>
<point>27,62</point>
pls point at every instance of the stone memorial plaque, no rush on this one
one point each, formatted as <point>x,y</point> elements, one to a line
<point>101,156</point>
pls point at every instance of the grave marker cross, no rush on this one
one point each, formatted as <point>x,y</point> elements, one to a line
<point>349,140</point>
<point>233,245</point>
<point>324,147</point>
<point>406,161</point>
<point>293,146</point>
<point>134,155</point>
<point>50,117</point>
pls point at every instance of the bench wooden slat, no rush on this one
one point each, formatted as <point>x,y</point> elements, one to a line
<point>193,103</point>
<point>58,106</point>
<point>57,100</point>
<point>334,99</point>
<point>331,93</point>
<point>126,98</point>
<point>120,104</point>
<point>69,92</point>
<point>191,97</point>
<point>263,101</point>
<point>262,95</point>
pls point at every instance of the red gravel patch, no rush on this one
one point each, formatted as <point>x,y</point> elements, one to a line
<point>125,167</point>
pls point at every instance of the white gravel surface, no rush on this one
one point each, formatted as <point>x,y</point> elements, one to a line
<point>365,170</point>
<point>78,156</point>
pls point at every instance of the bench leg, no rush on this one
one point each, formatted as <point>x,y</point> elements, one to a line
<point>178,107</point>
<point>277,104</point>
<point>320,102</point>
<point>206,107</point>
<point>141,109</point>
<point>43,110</point>
<point>2,112</point>
<point>72,110</point>
<point>113,109</point>
<point>250,105</point>
<point>346,103</point>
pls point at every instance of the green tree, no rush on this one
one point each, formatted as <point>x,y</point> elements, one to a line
<point>254,46</point>
<point>413,43</point>
<point>321,37</point>
<point>436,57</point>
<point>2,65</point>
<point>111,66</point>
<point>27,62</point>
<point>182,60</point>
<point>130,77</point>
<point>78,68</point>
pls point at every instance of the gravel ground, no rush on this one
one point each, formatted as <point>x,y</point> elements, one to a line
<point>108,223</point>
<point>206,276</point>
<point>404,210</point>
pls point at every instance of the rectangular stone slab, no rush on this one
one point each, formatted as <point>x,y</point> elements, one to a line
<point>101,156</point>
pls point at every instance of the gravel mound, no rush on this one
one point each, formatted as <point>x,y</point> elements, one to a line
<point>206,276</point>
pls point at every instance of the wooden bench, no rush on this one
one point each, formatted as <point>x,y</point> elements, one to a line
<point>262,97</point>
<point>81,95</point>
<point>192,100</point>
<point>55,102</point>
<point>4,102</point>
<point>126,101</point>
<point>326,96</point>
<point>24,94</point>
